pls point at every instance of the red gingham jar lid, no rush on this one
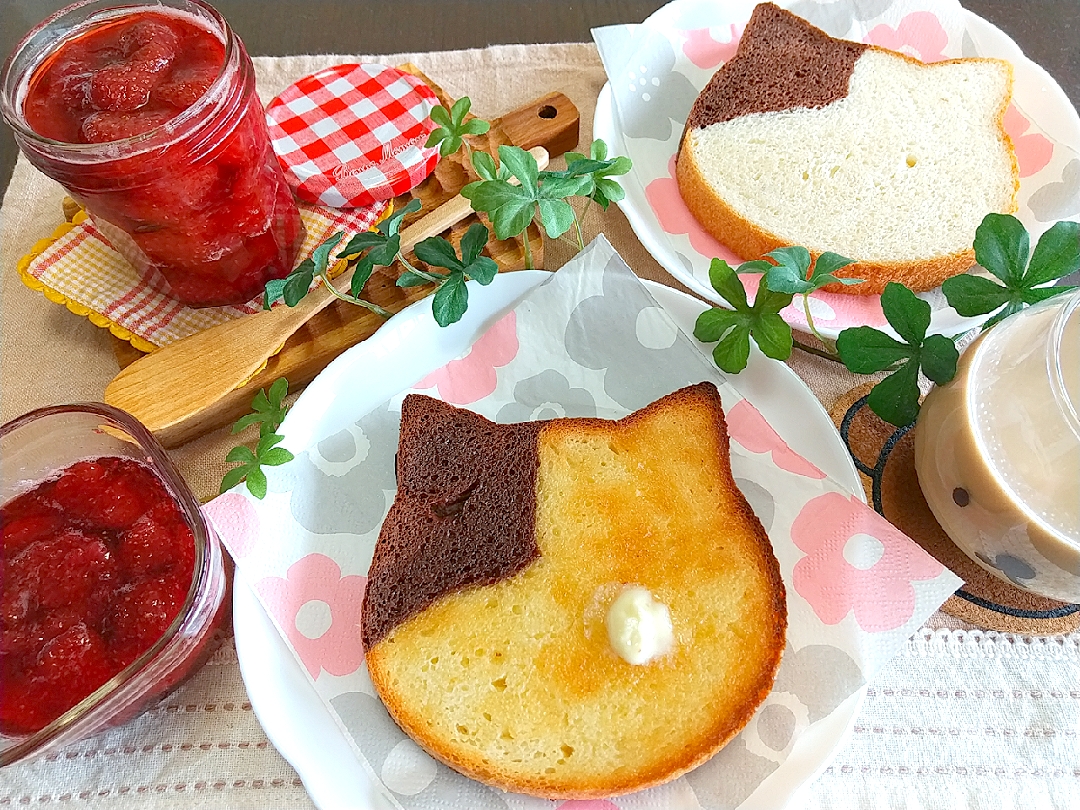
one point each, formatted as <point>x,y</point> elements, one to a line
<point>353,135</point>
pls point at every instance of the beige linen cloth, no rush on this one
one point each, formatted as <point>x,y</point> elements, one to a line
<point>962,718</point>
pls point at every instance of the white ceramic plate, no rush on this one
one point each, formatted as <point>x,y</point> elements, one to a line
<point>1035,93</point>
<point>405,349</point>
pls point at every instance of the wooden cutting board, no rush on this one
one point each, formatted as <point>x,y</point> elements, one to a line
<point>551,121</point>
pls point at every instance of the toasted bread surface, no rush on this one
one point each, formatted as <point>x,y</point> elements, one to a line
<point>515,683</point>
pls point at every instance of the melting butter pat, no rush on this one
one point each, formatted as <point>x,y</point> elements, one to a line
<point>639,627</point>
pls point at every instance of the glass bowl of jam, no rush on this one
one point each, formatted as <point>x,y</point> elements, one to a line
<point>114,585</point>
<point>147,115</point>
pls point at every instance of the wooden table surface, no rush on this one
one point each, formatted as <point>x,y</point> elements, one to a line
<point>1048,31</point>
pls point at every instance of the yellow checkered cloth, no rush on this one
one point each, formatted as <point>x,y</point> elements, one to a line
<point>78,267</point>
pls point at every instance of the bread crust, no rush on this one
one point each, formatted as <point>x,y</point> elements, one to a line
<point>750,241</point>
<point>714,729</point>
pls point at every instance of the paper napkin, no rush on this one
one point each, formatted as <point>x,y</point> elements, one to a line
<point>590,341</point>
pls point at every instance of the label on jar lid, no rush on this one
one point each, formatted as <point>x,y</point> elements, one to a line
<point>353,135</point>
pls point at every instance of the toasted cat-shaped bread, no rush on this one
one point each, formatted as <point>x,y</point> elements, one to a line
<point>488,615</point>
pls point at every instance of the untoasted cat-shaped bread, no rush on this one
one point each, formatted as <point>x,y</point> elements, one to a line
<point>804,139</point>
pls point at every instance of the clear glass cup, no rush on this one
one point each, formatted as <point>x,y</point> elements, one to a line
<point>997,450</point>
<point>34,448</point>
<point>198,203</point>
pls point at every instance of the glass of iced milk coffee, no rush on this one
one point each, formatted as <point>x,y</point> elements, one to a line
<point>997,450</point>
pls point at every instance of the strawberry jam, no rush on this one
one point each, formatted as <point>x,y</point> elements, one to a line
<point>97,563</point>
<point>149,118</point>
<point>122,79</point>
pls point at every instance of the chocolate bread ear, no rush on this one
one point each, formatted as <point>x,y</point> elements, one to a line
<point>782,62</point>
<point>464,513</point>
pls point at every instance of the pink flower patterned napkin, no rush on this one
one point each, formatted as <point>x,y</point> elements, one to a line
<point>589,341</point>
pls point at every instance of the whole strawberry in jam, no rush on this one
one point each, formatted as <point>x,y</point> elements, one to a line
<point>97,563</point>
<point>123,78</point>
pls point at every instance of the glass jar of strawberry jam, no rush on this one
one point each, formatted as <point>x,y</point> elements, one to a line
<point>114,586</point>
<point>148,116</point>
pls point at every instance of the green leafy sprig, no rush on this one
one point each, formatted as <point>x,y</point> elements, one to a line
<point>788,274</point>
<point>452,296</point>
<point>792,274</point>
<point>511,206</point>
<point>295,286</point>
<point>379,247</point>
<point>866,350</point>
<point>513,193</point>
<point>268,412</point>
<point>1003,248</point>
<point>449,136</point>
<point>598,169</point>
<point>731,329</point>
<point>382,247</point>
<point>516,192</point>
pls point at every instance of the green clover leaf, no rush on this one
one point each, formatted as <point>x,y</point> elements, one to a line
<point>510,206</point>
<point>449,135</point>
<point>1002,247</point>
<point>598,170</point>
<point>452,296</point>
<point>732,329</point>
<point>268,408</point>
<point>416,278</point>
<point>792,274</point>
<point>865,350</point>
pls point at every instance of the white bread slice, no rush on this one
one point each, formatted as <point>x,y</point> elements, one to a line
<point>897,174</point>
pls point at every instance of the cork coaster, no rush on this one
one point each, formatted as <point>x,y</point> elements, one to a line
<point>885,458</point>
